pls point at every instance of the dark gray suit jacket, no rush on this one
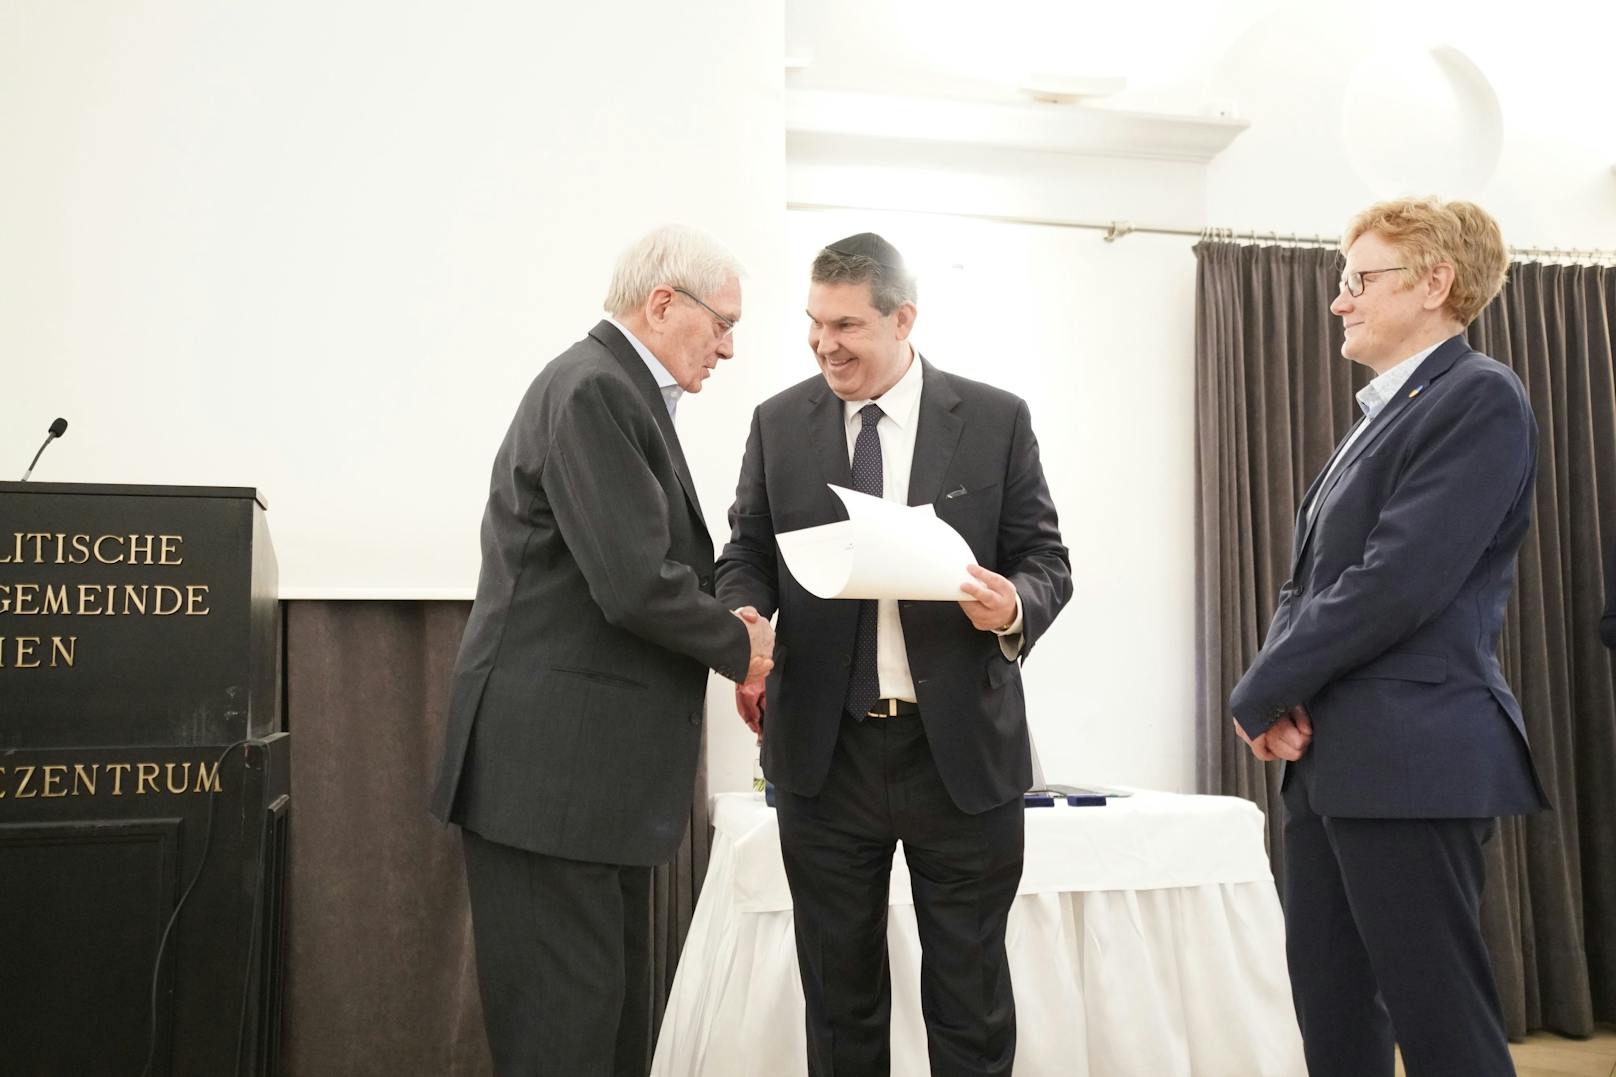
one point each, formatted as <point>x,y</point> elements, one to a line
<point>1387,630</point>
<point>1607,623</point>
<point>976,462</point>
<point>577,699</point>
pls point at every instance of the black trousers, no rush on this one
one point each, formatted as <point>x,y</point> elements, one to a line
<point>563,962</point>
<point>883,788</point>
<point>1383,939</point>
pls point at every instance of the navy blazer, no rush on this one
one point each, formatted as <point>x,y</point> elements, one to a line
<point>976,462</point>
<point>1387,630</point>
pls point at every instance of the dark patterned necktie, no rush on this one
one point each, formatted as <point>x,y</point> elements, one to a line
<point>864,686</point>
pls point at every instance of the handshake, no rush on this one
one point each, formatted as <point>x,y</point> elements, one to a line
<point>761,634</point>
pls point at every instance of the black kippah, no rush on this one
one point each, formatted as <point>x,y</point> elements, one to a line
<point>869,245</point>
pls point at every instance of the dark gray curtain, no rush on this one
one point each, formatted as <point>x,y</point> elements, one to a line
<point>1269,408</point>
<point>381,973</point>
<point>1273,396</point>
<point>1556,882</point>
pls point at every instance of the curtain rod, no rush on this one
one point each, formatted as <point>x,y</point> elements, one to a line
<point>1115,230</point>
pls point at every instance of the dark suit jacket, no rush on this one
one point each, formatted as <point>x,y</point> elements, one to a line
<point>576,705</point>
<point>976,461</point>
<point>1388,628</point>
<point>1607,623</point>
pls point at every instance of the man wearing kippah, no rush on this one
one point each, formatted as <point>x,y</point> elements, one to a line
<point>888,721</point>
<point>1379,681</point>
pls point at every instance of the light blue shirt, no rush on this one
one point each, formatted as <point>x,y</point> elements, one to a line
<point>666,385</point>
<point>1379,392</point>
<point>1371,399</point>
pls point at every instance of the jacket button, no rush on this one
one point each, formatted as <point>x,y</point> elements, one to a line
<point>847,661</point>
<point>695,717</point>
<point>706,582</point>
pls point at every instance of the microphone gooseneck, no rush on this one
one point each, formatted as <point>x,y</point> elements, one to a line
<point>57,429</point>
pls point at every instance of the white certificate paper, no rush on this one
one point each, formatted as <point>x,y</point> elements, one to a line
<point>882,550</point>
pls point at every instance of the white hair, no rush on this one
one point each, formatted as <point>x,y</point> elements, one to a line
<point>671,255</point>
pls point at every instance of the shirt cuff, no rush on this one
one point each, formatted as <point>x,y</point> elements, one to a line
<point>1010,640</point>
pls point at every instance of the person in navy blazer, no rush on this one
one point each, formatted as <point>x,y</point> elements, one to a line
<point>935,752</point>
<point>1379,681</point>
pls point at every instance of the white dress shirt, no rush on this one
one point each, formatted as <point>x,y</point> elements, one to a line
<point>666,385</point>
<point>900,415</point>
<point>1371,399</point>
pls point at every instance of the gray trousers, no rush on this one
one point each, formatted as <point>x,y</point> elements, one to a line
<point>563,962</point>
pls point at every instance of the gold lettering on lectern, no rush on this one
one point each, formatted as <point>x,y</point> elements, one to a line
<point>48,598</point>
<point>114,559</point>
<point>168,602</point>
<point>60,548</point>
<point>19,652</point>
<point>104,599</point>
<point>207,779</point>
<point>26,781</point>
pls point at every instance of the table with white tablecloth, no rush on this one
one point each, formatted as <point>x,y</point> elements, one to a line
<point>1146,939</point>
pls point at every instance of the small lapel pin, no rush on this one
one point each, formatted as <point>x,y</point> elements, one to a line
<point>1416,390</point>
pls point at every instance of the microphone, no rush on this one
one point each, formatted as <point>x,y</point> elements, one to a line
<point>57,429</point>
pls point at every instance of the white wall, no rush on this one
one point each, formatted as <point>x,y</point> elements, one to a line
<point>1345,107</point>
<point>1513,111</point>
<point>1347,104</point>
<point>321,248</point>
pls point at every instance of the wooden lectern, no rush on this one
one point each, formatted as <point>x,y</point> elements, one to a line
<point>142,763</point>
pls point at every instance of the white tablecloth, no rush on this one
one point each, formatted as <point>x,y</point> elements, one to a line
<point>1146,939</point>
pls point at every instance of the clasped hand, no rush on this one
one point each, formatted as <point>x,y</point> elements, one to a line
<point>1286,739</point>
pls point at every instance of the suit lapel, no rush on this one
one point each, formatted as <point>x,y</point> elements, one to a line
<point>937,435</point>
<point>1304,515</point>
<point>607,334</point>
<point>1435,365</point>
<point>827,431</point>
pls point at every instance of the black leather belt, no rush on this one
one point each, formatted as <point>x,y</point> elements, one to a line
<point>893,708</point>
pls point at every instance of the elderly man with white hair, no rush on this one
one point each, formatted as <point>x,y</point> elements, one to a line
<point>577,700</point>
